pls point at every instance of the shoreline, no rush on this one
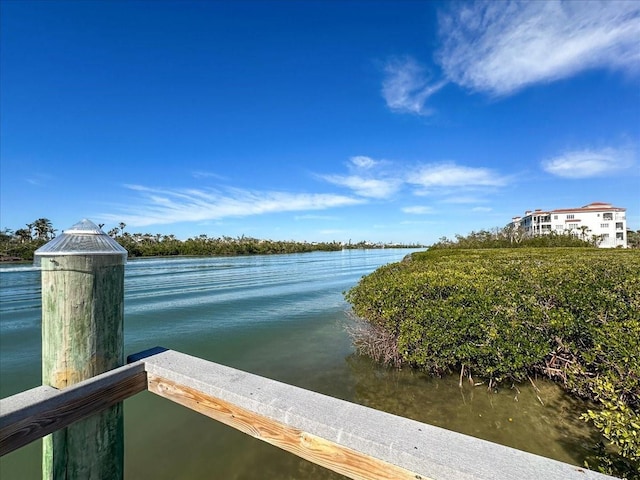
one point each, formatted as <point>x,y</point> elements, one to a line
<point>5,259</point>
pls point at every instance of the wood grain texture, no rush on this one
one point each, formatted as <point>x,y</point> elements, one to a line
<point>354,440</point>
<point>320,451</point>
<point>82,317</point>
<point>31,415</point>
<point>82,336</point>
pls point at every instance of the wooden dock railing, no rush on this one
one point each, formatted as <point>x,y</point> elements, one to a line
<point>353,440</point>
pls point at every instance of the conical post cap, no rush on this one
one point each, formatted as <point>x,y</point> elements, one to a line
<point>83,238</point>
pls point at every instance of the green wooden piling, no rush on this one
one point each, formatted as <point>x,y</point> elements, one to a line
<point>82,336</point>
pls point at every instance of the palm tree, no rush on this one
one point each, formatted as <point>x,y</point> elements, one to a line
<point>44,229</point>
<point>583,232</point>
<point>23,234</point>
<point>513,233</point>
<point>596,240</point>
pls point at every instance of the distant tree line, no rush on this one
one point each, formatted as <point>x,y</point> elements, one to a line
<point>516,237</point>
<point>22,243</point>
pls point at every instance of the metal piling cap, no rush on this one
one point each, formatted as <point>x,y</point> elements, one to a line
<point>83,238</point>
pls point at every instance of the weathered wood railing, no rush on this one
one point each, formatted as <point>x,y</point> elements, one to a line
<point>356,441</point>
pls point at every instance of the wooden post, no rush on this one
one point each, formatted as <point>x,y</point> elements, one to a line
<point>82,336</point>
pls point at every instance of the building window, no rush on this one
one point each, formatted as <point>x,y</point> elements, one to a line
<point>605,235</point>
<point>604,225</point>
<point>620,236</point>
<point>572,225</point>
<point>570,217</point>
<point>619,226</point>
<point>555,217</point>
<point>607,216</point>
<point>559,227</point>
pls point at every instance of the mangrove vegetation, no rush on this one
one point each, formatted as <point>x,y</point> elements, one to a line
<point>499,316</point>
<point>20,245</point>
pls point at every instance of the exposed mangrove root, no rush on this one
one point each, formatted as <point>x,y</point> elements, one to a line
<point>374,341</point>
<point>537,390</point>
<point>558,363</point>
<point>513,386</point>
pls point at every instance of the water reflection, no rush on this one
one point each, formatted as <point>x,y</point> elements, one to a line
<point>282,317</point>
<point>513,415</point>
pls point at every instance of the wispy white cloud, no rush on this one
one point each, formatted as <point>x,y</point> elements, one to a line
<point>316,217</point>
<point>416,222</point>
<point>365,179</point>
<point>368,178</point>
<point>157,206</point>
<point>434,176</point>
<point>365,187</point>
<point>332,232</point>
<point>407,86</point>
<point>382,179</point>
<point>481,209</point>
<point>363,162</point>
<point>589,163</point>
<point>39,179</point>
<point>501,47</point>
<point>418,210</point>
<point>462,199</point>
<point>203,174</point>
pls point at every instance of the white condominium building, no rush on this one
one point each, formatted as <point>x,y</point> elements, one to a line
<point>599,222</point>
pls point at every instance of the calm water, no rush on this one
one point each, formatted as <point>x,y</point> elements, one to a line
<point>283,317</point>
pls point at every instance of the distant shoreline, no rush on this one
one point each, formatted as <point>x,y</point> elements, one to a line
<point>17,260</point>
<point>5,259</point>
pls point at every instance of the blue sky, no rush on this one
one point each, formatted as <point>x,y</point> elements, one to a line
<point>371,120</point>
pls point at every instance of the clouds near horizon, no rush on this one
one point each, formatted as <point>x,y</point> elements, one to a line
<point>450,175</point>
<point>589,163</point>
<point>366,180</point>
<point>161,206</point>
<point>418,210</point>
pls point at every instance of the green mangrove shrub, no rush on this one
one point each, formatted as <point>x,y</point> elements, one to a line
<point>572,314</point>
